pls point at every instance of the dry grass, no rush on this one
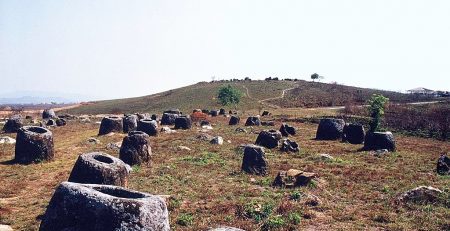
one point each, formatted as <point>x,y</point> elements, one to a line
<point>208,189</point>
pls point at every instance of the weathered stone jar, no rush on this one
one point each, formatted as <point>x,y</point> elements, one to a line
<point>234,120</point>
<point>110,124</point>
<point>379,140</point>
<point>353,133</point>
<point>330,129</point>
<point>135,149</point>
<point>33,144</point>
<point>254,160</point>
<point>183,122</point>
<point>253,121</point>
<point>48,114</point>
<point>148,126</point>
<point>100,168</point>
<point>129,123</point>
<point>91,207</point>
<point>13,124</point>
<point>268,139</point>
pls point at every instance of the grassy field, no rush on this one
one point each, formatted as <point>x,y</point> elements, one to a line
<point>202,95</point>
<point>355,191</point>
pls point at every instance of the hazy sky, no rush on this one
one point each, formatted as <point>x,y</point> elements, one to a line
<point>114,49</point>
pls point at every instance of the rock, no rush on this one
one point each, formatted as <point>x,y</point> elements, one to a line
<point>6,228</point>
<point>173,111</point>
<point>103,207</point>
<point>85,120</point>
<point>214,113</point>
<point>234,120</point>
<point>325,157</point>
<point>129,123</point>
<point>110,124</point>
<point>154,117</point>
<point>93,141</point>
<point>50,122</point>
<point>287,130</point>
<point>312,200</point>
<point>240,130</point>
<point>268,123</point>
<point>114,146</point>
<point>33,144</point>
<point>217,140</point>
<point>205,123</point>
<point>353,133</point>
<point>268,139</point>
<point>380,152</point>
<point>254,160</point>
<point>196,110</point>
<point>225,228</point>
<point>28,117</point>
<point>184,148</point>
<point>289,146</point>
<point>421,195</point>
<point>136,149</point>
<point>148,126</point>
<point>379,140</point>
<point>222,111</point>
<point>61,122</point>
<point>293,178</point>
<point>67,116</point>
<point>330,129</point>
<point>253,121</point>
<point>265,113</point>
<point>205,137</point>
<point>206,111</point>
<point>100,168</point>
<point>7,140</point>
<point>48,114</point>
<point>13,124</point>
<point>443,165</point>
<point>167,130</point>
<point>183,122</point>
<point>168,119</point>
<point>207,127</point>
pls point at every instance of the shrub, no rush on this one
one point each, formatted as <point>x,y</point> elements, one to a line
<point>185,219</point>
<point>229,95</point>
<point>376,108</point>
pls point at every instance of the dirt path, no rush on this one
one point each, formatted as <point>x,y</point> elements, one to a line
<point>366,105</point>
<point>39,111</point>
<point>263,101</point>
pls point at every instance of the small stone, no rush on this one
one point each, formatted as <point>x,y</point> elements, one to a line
<point>240,130</point>
<point>293,178</point>
<point>421,195</point>
<point>93,141</point>
<point>7,140</point>
<point>114,146</point>
<point>217,140</point>
<point>184,148</point>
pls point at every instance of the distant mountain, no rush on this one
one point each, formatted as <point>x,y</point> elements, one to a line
<point>35,97</point>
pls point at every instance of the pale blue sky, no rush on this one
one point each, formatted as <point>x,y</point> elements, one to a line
<point>114,49</point>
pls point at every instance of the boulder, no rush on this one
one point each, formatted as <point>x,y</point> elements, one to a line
<point>76,206</point>
<point>183,122</point>
<point>289,146</point>
<point>60,122</point>
<point>148,126</point>
<point>253,121</point>
<point>168,119</point>
<point>234,120</point>
<point>110,124</point>
<point>13,124</point>
<point>135,149</point>
<point>265,113</point>
<point>330,129</point>
<point>254,160</point>
<point>222,111</point>
<point>129,123</point>
<point>100,168</point>
<point>293,178</point>
<point>50,122</point>
<point>268,139</point>
<point>379,140</point>
<point>353,133</point>
<point>48,114</point>
<point>443,165</point>
<point>33,144</point>
<point>217,140</point>
<point>421,195</point>
<point>287,130</point>
<point>214,113</point>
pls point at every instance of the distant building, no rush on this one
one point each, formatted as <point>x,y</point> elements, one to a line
<point>421,91</point>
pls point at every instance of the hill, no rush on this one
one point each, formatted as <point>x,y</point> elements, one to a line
<point>257,95</point>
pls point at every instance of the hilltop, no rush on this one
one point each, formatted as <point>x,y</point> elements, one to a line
<point>256,95</point>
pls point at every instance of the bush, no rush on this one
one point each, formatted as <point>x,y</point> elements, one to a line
<point>229,95</point>
<point>376,108</point>
<point>185,219</point>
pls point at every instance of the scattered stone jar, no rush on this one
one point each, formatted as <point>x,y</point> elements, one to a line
<point>13,124</point>
<point>48,114</point>
<point>287,130</point>
<point>129,123</point>
<point>379,140</point>
<point>93,207</point>
<point>234,120</point>
<point>330,129</point>
<point>100,168</point>
<point>148,126</point>
<point>34,144</point>
<point>268,139</point>
<point>353,133</point>
<point>254,160</point>
<point>110,124</point>
<point>135,149</point>
<point>168,119</point>
<point>253,121</point>
<point>183,122</point>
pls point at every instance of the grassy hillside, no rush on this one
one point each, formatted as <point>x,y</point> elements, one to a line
<point>202,95</point>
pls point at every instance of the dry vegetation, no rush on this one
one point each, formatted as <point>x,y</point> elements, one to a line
<point>208,189</point>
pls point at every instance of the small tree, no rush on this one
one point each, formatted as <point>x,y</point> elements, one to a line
<point>314,77</point>
<point>377,105</point>
<point>229,95</point>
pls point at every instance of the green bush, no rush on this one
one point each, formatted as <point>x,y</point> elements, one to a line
<point>377,105</point>
<point>229,95</point>
<point>185,219</point>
